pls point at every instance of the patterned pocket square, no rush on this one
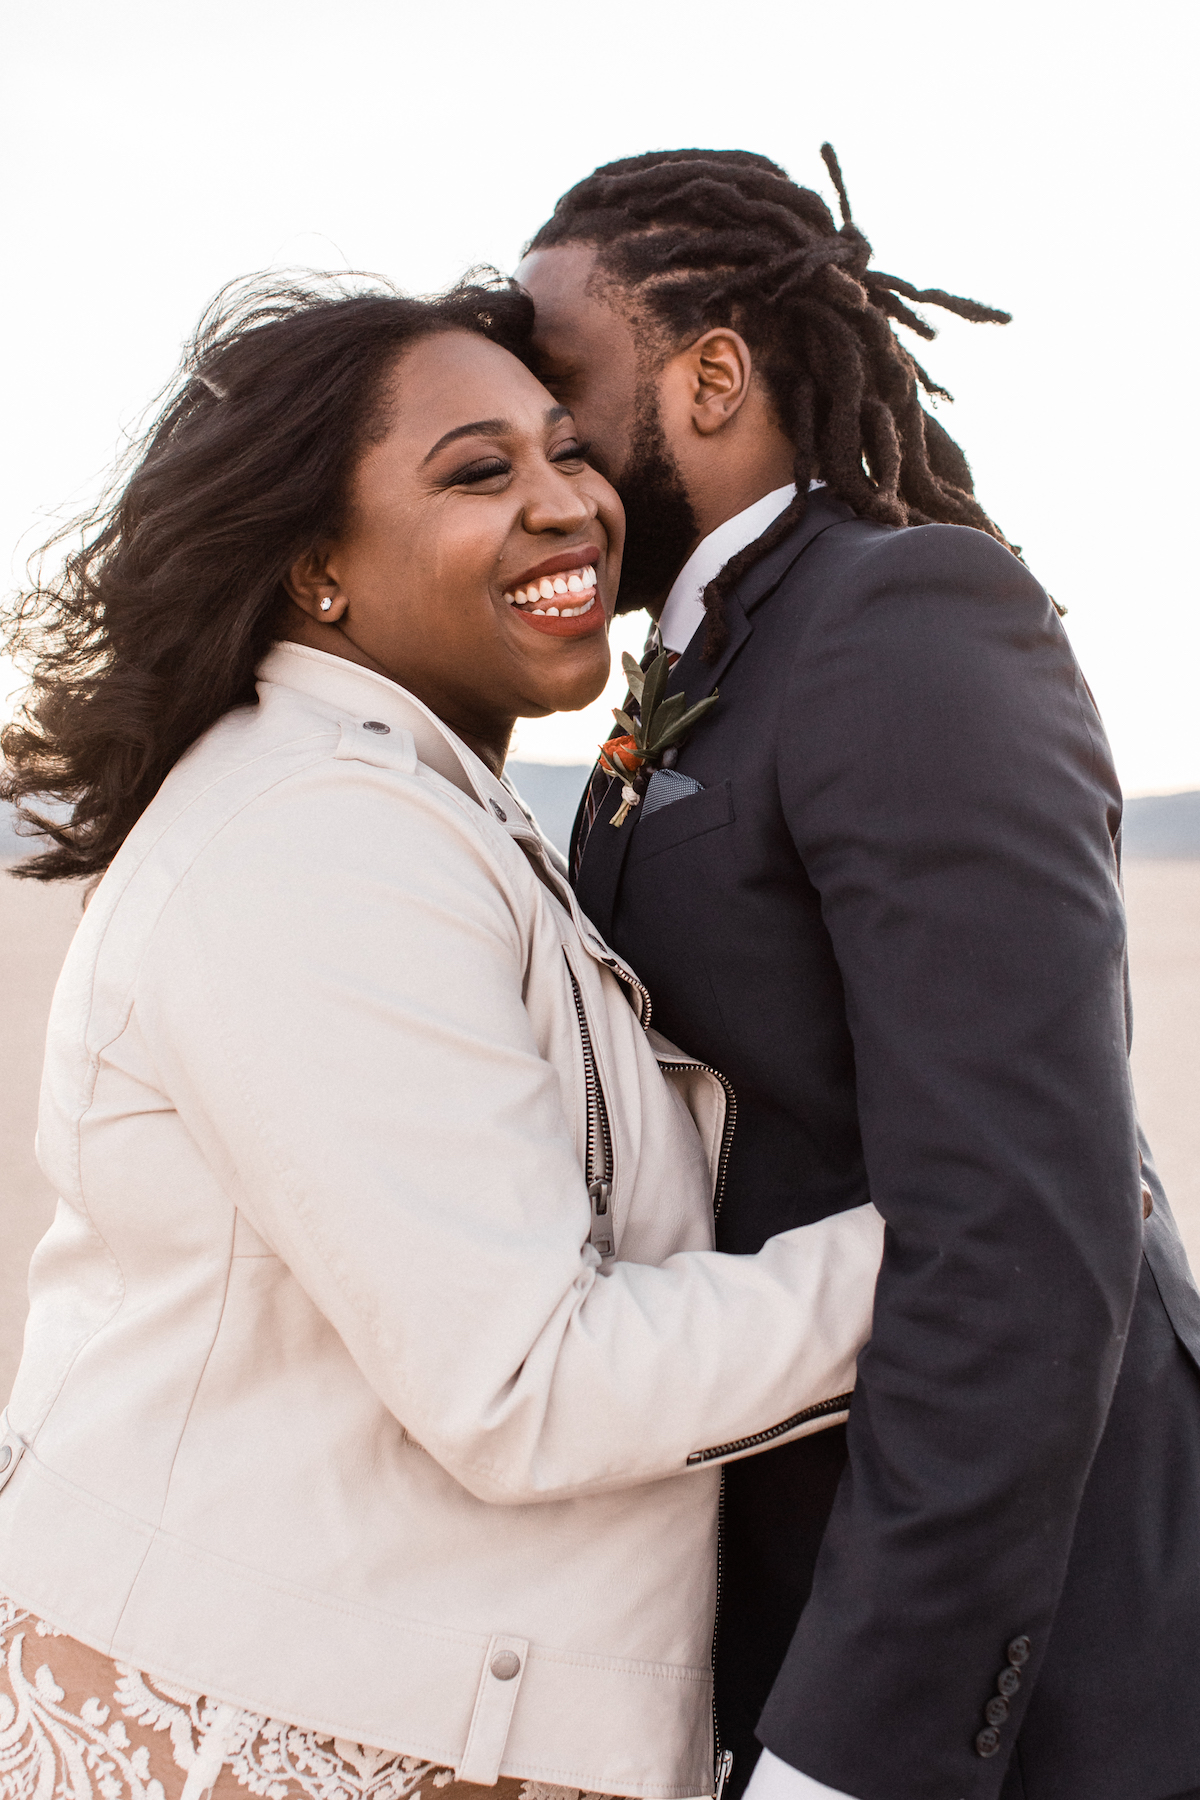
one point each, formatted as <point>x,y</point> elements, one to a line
<point>666,785</point>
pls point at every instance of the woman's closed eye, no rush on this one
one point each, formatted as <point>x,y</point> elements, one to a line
<point>498,468</point>
<point>574,452</point>
<point>473,474</point>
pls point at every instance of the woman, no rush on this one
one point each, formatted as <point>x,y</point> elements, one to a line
<point>379,1368</point>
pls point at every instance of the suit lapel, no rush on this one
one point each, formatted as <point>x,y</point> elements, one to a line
<point>603,859</point>
<point>606,849</point>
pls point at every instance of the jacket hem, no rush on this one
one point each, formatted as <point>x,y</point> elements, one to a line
<point>184,1615</point>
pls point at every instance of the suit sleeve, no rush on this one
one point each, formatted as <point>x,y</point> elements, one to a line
<point>949,790</point>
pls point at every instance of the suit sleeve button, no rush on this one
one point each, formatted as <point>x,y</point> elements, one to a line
<point>1008,1681</point>
<point>988,1741</point>
<point>1018,1652</point>
<point>996,1711</point>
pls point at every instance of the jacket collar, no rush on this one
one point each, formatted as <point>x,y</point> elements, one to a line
<point>824,509</point>
<point>698,678</point>
<point>342,687</point>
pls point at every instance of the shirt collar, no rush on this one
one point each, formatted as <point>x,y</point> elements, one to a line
<point>684,609</point>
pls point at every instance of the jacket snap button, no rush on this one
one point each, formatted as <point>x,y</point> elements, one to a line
<point>5,1455</point>
<point>1018,1651</point>
<point>376,725</point>
<point>988,1742</point>
<point>503,818</point>
<point>506,1664</point>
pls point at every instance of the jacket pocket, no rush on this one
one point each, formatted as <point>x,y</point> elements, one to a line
<point>683,820</point>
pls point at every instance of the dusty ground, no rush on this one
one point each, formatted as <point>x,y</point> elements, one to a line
<point>1164,909</point>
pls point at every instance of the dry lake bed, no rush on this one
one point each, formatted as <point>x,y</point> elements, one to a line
<point>1164,915</point>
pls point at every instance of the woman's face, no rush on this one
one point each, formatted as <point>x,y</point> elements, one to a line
<point>481,555</point>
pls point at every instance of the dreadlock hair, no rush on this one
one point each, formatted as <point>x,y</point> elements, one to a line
<point>154,624</point>
<point>724,237</point>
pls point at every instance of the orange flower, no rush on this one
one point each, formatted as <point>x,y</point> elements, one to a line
<point>621,756</point>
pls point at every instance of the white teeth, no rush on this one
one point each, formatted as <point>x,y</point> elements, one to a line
<point>551,587</point>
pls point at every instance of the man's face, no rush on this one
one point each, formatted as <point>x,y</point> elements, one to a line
<point>593,357</point>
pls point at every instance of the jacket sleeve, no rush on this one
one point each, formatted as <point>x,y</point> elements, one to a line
<point>948,787</point>
<point>334,998</point>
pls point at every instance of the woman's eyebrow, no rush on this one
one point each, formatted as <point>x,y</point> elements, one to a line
<point>490,428</point>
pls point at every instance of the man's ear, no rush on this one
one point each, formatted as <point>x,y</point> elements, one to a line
<point>311,583</point>
<point>720,369</point>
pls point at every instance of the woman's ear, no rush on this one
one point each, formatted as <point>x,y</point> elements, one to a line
<point>721,368</point>
<point>311,583</point>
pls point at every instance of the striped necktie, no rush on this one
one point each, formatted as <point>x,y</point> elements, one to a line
<point>600,780</point>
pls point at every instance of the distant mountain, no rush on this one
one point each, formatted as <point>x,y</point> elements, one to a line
<point>1156,825</point>
<point>1166,825</point>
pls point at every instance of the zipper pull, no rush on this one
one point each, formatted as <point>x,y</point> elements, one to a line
<point>724,1771</point>
<point>601,1235</point>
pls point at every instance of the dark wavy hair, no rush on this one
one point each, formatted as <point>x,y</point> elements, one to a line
<point>152,628</point>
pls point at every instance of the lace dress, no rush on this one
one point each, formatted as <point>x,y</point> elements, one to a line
<point>76,1726</point>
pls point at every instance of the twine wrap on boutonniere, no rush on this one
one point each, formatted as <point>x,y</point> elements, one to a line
<point>661,725</point>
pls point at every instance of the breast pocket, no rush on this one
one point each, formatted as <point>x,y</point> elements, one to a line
<point>709,810</point>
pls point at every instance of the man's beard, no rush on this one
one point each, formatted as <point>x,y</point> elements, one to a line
<point>660,526</point>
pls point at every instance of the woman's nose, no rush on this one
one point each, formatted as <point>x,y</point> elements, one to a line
<point>557,504</point>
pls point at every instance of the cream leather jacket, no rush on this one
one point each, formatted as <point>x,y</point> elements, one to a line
<point>379,1368</point>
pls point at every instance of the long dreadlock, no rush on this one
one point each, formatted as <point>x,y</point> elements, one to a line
<point>724,237</point>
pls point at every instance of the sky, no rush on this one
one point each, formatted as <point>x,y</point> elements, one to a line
<point>1038,156</point>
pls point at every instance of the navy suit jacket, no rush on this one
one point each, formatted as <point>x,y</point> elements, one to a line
<point>893,919</point>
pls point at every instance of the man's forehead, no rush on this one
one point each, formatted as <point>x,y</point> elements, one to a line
<point>569,302</point>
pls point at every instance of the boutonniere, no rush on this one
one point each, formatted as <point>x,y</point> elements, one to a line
<point>633,754</point>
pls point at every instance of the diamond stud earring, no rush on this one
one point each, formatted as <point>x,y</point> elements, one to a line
<point>326,603</point>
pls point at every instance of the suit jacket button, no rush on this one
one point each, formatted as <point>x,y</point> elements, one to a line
<point>376,725</point>
<point>1018,1651</point>
<point>996,1711</point>
<point>988,1741</point>
<point>1147,1200</point>
<point>1008,1681</point>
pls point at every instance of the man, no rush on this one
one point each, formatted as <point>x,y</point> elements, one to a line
<point>884,900</point>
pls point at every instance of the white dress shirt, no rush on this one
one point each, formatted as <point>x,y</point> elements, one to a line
<point>684,608</point>
<point>776,1780</point>
<point>681,617</point>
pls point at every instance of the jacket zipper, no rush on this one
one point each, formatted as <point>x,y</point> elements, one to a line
<point>598,1157</point>
<point>598,1167</point>
<point>838,1403</point>
<point>727,1131</point>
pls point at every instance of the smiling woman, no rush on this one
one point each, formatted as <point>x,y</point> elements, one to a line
<point>317,444</point>
<point>446,524</point>
<point>379,1365</point>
